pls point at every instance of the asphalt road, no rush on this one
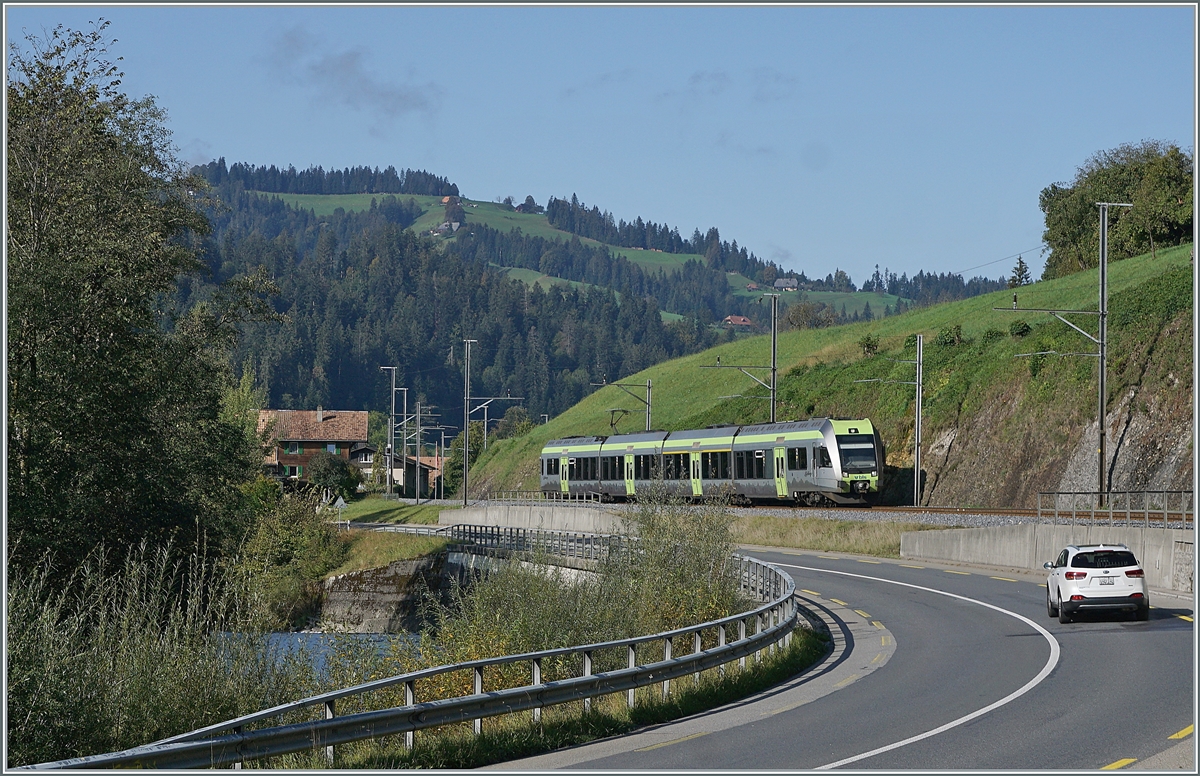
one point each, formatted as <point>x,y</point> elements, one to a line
<point>977,679</point>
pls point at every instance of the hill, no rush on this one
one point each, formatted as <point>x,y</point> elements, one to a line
<point>998,428</point>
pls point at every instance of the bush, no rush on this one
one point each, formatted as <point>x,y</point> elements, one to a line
<point>949,337</point>
<point>992,335</point>
<point>869,345</point>
<point>1019,328</point>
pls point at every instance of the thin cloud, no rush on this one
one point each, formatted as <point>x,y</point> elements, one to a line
<point>770,85</point>
<point>598,83</point>
<point>344,78</point>
<point>728,141</point>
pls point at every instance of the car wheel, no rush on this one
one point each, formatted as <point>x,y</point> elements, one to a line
<point>1051,609</point>
<point>1063,617</point>
<point>1143,613</point>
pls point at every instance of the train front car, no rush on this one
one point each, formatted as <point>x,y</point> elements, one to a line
<point>571,465</point>
<point>857,458</point>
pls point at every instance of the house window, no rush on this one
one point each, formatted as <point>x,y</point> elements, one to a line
<point>331,448</point>
<point>293,448</point>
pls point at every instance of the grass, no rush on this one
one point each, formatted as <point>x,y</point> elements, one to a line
<point>854,302</point>
<point>879,539</point>
<point>326,204</point>
<point>531,277</point>
<point>685,396</point>
<point>513,736</point>
<point>375,549</point>
<point>373,508</point>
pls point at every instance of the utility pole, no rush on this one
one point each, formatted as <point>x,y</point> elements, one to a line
<point>1100,340</point>
<point>920,363</point>
<point>772,393</point>
<point>466,413</point>
<point>648,401</point>
<point>391,429</point>
<point>417,478</point>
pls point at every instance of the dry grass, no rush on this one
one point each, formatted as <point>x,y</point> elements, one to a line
<point>374,549</point>
<point>879,539</point>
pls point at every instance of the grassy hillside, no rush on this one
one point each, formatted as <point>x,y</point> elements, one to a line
<point>854,302</point>
<point>963,382</point>
<point>531,277</point>
<point>491,214</point>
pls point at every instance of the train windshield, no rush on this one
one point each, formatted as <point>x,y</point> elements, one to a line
<point>857,451</point>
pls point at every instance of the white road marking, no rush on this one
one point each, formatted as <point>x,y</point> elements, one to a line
<point>1035,681</point>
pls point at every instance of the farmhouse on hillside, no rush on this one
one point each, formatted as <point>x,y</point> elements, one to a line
<point>739,321</point>
<point>295,436</point>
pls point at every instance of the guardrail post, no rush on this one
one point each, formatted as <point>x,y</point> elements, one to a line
<point>537,679</point>
<point>632,663</point>
<point>721,643</point>
<point>758,628</point>
<point>329,714</point>
<point>742,637</point>
<point>479,691</point>
<point>666,656</point>
<point>696,651</point>
<point>238,731</point>
<point>410,692</point>
<point>587,671</point>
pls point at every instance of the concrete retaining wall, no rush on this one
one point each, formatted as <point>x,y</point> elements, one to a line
<point>546,518</point>
<point>1168,556</point>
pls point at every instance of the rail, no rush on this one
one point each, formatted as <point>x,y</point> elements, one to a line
<point>1148,508</point>
<point>543,497</point>
<point>232,742</point>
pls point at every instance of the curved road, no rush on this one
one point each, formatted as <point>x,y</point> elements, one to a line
<point>910,662</point>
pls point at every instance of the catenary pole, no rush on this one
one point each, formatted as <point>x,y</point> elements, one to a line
<point>391,451</point>
<point>917,422</point>
<point>466,413</point>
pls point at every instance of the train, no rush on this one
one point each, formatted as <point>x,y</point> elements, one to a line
<point>811,462</point>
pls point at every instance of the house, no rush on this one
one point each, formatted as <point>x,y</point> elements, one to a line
<point>362,455</point>
<point>737,320</point>
<point>295,436</point>
<point>752,286</point>
<point>787,284</point>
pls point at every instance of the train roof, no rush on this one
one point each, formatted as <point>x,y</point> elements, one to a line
<point>575,440</point>
<point>643,436</point>
<point>812,424</point>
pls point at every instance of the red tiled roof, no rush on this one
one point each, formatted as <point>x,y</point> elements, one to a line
<point>738,320</point>
<point>302,425</point>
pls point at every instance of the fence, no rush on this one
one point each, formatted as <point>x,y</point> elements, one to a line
<point>233,742</point>
<point>543,497</point>
<point>1125,507</point>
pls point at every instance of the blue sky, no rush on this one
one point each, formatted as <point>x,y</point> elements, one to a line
<point>817,137</point>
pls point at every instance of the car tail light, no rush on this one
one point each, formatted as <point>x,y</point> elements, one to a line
<point>1137,595</point>
<point>1135,573</point>
<point>1076,575</point>
<point>1076,598</point>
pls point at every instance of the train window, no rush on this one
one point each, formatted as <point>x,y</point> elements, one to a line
<point>675,466</point>
<point>823,457</point>
<point>797,459</point>
<point>857,452</point>
<point>760,465</point>
<point>572,469</point>
<point>551,467</point>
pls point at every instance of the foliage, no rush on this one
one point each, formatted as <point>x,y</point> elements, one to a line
<point>134,652</point>
<point>1155,176</point>
<point>333,474</point>
<point>515,423</point>
<point>810,315</point>
<point>316,180</point>
<point>291,549</point>
<point>991,335</point>
<point>116,425</point>
<point>1019,328</point>
<point>869,345</point>
<point>949,336</point>
<point>1020,274</point>
<point>453,470</point>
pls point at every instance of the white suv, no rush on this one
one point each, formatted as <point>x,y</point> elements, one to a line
<point>1093,577</point>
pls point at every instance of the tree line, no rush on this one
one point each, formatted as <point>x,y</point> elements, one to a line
<point>318,180</point>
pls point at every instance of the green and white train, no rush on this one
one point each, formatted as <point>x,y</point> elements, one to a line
<point>807,461</point>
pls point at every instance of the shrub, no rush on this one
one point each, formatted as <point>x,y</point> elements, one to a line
<point>949,336</point>
<point>869,345</point>
<point>992,335</point>
<point>1019,328</point>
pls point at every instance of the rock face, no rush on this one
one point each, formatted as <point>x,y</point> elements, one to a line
<point>384,600</point>
<point>1016,445</point>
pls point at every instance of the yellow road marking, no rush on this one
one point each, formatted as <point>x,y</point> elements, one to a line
<point>877,624</point>
<point>877,562</point>
<point>1041,584</point>
<point>829,557</point>
<point>905,565</point>
<point>668,743</point>
<point>790,552</point>
<point>1184,617</point>
<point>810,592</point>
<point>847,680</point>
<point>883,641</point>
<point>1187,731</point>
<point>877,658</point>
<point>1004,579</point>
<point>862,613</point>
<point>1119,764</point>
<point>951,571</point>
<point>839,603</point>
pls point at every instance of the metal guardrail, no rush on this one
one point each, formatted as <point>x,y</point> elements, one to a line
<point>1146,508</point>
<point>544,497</point>
<point>230,742</point>
<point>420,530</point>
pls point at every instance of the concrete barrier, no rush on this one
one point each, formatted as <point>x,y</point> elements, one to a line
<point>1167,555</point>
<point>546,518</point>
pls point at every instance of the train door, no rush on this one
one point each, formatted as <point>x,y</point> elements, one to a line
<point>629,488</point>
<point>781,488</point>
<point>697,484</point>
<point>564,466</point>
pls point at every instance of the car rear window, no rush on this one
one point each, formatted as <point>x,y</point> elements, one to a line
<point>1103,559</point>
